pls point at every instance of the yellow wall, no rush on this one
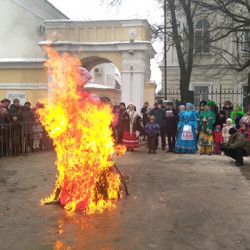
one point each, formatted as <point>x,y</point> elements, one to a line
<point>149,92</point>
<point>96,32</point>
<point>32,95</point>
<point>22,76</point>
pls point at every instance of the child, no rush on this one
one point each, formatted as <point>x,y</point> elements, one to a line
<point>218,140</point>
<point>245,130</point>
<point>152,130</point>
<point>225,130</point>
<point>36,135</point>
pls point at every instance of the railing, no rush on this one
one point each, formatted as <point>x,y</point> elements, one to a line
<point>219,96</point>
<point>18,139</point>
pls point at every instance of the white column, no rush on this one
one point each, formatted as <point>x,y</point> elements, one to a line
<point>133,78</point>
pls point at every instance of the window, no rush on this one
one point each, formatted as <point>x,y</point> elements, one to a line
<point>246,44</point>
<point>201,93</point>
<point>202,37</point>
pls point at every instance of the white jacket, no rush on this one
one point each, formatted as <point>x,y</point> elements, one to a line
<point>225,132</point>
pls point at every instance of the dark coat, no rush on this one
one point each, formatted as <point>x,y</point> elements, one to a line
<point>171,122</point>
<point>14,110</point>
<point>27,114</point>
<point>15,132</point>
<point>219,121</point>
<point>160,116</point>
<point>145,118</point>
<point>239,141</point>
<point>120,120</point>
<point>227,111</point>
<point>136,123</point>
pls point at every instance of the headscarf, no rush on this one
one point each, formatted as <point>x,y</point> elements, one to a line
<point>211,103</point>
<point>190,105</point>
<point>237,112</point>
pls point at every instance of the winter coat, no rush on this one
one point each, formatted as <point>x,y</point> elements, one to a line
<point>236,116</point>
<point>152,129</point>
<point>27,114</point>
<point>14,110</point>
<point>145,118</point>
<point>219,121</point>
<point>120,119</point>
<point>227,111</point>
<point>245,119</point>
<point>171,122</point>
<point>37,130</point>
<point>135,123</point>
<point>218,137</point>
<point>207,126</point>
<point>246,133</point>
<point>238,141</point>
<point>15,132</point>
<point>225,132</point>
<point>160,117</point>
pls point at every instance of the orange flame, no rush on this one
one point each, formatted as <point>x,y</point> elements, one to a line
<point>80,128</point>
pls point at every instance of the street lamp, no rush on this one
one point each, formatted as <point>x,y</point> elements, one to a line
<point>165,48</point>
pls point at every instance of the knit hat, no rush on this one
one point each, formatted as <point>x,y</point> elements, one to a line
<point>152,117</point>
<point>244,123</point>
<point>232,131</point>
<point>229,119</point>
<point>222,112</point>
<point>182,107</point>
<point>218,127</point>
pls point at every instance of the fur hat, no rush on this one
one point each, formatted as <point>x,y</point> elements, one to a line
<point>227,102</point>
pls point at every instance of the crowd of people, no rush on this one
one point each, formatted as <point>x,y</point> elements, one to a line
<point>212,131</point>
<point>20,130</point>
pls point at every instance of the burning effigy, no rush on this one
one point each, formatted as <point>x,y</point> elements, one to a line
<point>79,125</point>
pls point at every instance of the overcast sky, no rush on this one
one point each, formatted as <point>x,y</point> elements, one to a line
<point>130,9</point>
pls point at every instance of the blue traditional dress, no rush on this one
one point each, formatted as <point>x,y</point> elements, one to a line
<point>186,140</point>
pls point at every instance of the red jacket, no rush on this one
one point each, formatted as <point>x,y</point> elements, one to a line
<point>218,137</point>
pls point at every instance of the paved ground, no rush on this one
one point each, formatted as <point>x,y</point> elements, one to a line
<point>175,202</point>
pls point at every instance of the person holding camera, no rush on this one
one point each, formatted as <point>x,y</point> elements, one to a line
<point>237,146</point>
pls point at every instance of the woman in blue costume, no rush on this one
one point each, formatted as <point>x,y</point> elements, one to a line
<point>187,127</point>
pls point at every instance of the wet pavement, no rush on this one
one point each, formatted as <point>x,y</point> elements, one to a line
<point>175,202</point>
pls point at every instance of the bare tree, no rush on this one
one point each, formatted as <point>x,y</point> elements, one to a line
<point>233,24</point>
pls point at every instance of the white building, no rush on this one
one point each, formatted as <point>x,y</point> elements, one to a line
<point>211,75</point>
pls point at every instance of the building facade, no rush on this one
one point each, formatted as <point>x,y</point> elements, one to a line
<point>212,74</point>
<point>21,59</point>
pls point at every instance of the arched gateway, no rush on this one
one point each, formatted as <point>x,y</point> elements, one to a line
<point>125,43</point>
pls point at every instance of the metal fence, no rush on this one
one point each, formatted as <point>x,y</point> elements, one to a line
<point>219,96</point>
<point>18,139</point>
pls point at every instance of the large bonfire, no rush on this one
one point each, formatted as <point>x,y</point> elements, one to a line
<point>79,125</point>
